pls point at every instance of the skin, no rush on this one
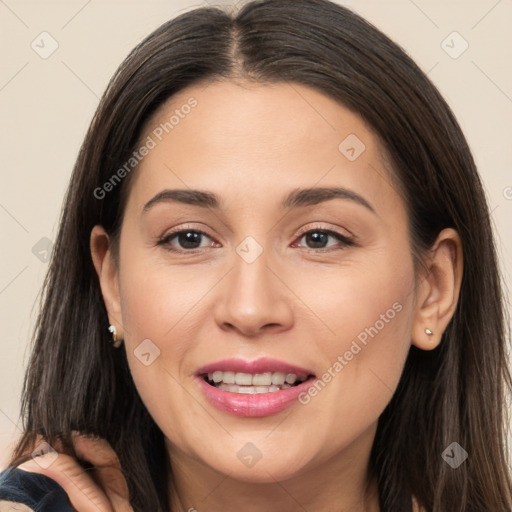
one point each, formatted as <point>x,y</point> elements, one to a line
<point>251,144</point>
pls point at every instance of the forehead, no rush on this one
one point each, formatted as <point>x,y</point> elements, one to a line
<point>254,142</point>
<point>257,119</point>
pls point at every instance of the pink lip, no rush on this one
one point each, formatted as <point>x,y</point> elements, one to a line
<point>261,365</point>
<point>259,404</point>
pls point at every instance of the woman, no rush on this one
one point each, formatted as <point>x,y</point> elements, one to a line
<point>277,221</point>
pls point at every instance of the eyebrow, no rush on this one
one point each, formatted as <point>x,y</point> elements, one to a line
<point>295,199</point>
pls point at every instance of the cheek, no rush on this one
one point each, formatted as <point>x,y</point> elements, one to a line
<point>162,309</point>
<point>367,315</point>
<point>147,318</point>
<point>158,300</point>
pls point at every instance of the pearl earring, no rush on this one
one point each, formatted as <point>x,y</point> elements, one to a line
<point>115,341</point>
<point>428,332</point>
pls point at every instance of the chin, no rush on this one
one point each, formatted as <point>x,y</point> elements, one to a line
<point>262,471</point>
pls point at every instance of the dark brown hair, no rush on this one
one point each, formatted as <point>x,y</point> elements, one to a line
<point>77,381</point>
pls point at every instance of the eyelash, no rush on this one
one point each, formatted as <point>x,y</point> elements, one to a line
<point>346,241</point>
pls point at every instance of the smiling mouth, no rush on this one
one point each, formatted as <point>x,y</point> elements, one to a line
<point>248,383</point>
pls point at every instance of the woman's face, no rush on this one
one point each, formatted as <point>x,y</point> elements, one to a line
<point>311,283</point>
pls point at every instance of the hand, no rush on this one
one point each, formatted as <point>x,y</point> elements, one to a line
<point>106,492</point>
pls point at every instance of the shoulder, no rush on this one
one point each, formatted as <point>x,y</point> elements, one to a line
<point>23,491</point>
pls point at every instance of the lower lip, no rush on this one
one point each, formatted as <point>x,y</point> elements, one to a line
<point>258,404</point>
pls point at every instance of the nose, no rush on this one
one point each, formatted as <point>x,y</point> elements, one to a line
<point>254,299</point>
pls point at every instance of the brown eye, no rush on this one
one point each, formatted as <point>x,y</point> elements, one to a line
<point>187,239</point>
<point>319,239</point>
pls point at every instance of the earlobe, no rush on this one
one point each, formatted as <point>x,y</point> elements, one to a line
<point>106,269</point>
<point>438,293</point>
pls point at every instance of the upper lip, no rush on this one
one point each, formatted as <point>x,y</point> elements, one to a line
<point>262,365</point>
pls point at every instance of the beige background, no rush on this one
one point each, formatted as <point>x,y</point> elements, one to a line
<point>46,106</point>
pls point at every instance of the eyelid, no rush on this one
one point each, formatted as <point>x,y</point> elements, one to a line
<point>345,240</point>
<point>320,227</point>
<point>164,240</point>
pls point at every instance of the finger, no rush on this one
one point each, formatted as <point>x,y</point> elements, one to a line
<point>96,449</point>
<point>107,469</point>
<point>84,494</point>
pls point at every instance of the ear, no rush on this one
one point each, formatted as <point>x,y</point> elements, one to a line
<point>438,292</point>
<point>107,271</point>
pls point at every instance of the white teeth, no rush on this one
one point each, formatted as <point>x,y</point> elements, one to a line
<point>290,378</point>
<point>278,378</point>
<point>251,390</point>
<point>228,377</point>
<point>248,383</point>
<point>228,387</point>
<point>243,379</point>
<point>216,376</point>
<point>262,379</point>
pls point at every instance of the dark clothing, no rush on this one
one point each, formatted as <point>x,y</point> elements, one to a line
<point>38,492</point>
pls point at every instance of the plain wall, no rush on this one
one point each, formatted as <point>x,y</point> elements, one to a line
<point>46,105</point>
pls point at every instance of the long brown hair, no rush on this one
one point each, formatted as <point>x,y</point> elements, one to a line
<point>76,381</point>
